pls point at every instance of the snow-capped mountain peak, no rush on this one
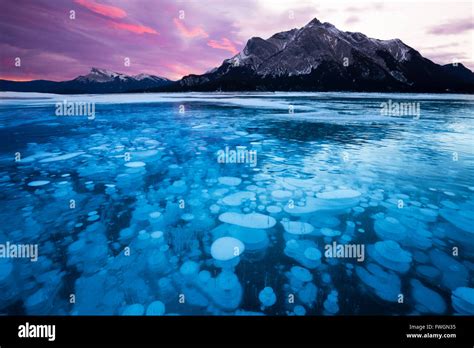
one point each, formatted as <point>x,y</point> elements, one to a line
<point>141,77</point>
<point>98,75</point>
<point>101,76</point>
<point>319,56</point>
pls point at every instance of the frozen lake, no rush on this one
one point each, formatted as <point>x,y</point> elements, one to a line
<point>333,208</point>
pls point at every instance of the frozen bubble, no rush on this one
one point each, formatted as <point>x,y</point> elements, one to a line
<point>299,310</point>
<point>312,254</point>
<point>303,251</point>
<point>229,180</point>
<point>274,209</point>
<point>144,154</point>
<point>36,302</point>
<point>463,300</point>
<point>156,234</point>
<point>339,195</point>
<point>324,220</point>
<point>62,157</point>
<point>227,280</point>
<point>390,228</point>
<point>134,309</point>
<point>311,205</point>
<point>267,297</point>
<point>302,274</point>
<point>252,220</point>
<point>204,276</point>
<point>330,232</point>
<point>238,198</point>
<point>136,164</point>
<point>454,273</point>
<point>386,285</point>
<point>308,293</point>
<point>214,209</point>
<point>428,301</point>
<point>155,308</point>
<point>178,187</point>
<point>187,217</point>
<point>301,183</point>
<point>93,218</point>
<point>189,268</point>
<point>297,227</point>
<point>429,215</point>
<point>226,248</point>
<point>389,254</point>
<point>330,305</point>
<point>38,183</point>
<point>462,219</point>
<point>428,271</point>
<point>281,195</point>
<point>6,268</point>
<point>253,238</point>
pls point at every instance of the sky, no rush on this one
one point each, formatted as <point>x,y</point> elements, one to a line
<point>62,39</point>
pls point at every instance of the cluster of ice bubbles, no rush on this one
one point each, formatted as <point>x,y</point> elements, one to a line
<point>185,236</point>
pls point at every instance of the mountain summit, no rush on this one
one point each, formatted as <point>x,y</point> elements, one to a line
<point>96,81</point>
<point>321,57</point>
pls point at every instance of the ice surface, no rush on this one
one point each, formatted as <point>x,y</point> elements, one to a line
<point>335,167</point>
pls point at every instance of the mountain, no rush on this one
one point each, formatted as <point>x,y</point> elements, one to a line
<point>320,57</point>
<point>316,57</point>
<point>97,81</point>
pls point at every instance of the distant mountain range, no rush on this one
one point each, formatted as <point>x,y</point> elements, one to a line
<point>97,81</point>
<point>316,57</point>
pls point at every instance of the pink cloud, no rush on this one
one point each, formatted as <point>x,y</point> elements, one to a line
<point>224,44</point>
<point>352,19</point>
<point>104,10</point>
<point>454,27</point>
<point>189,33</point>
<point>177,70</point>
<point>134,28</point>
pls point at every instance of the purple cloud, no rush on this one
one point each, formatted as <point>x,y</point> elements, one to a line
<point>454,27</point>
<point>352,19</point>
